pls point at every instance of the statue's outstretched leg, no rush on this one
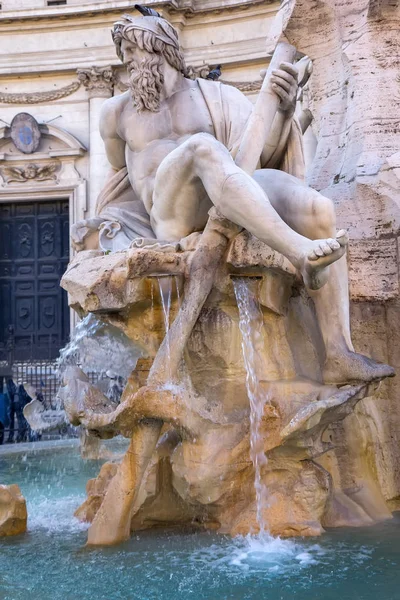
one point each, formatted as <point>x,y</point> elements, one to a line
<point>202,169</point>
<point>313,215</point>
<point>342,363</point>
<point>281,211</point>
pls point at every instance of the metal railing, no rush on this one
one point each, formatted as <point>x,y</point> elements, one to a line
<point>43,378</point>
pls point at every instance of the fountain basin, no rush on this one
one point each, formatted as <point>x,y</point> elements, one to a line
<point>49,561</point>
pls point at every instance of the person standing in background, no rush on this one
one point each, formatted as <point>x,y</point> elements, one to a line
<point>21,398</point>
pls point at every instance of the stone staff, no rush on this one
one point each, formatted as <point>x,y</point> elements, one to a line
<point>260,122</point>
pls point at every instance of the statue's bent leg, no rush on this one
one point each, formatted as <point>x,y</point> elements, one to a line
<point>313,215</point>
<point>202,167</point>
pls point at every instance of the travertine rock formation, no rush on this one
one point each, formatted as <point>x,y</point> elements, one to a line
<point>95,489</point>
<point>200,473</point>
<point>13,514</point>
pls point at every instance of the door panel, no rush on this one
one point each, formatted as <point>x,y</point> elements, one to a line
<point>34,253</point>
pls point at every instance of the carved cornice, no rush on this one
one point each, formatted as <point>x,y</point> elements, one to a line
<point>192,11</point>
<point>99,81</point>
<point>168,8</point>
<point>38,97</point>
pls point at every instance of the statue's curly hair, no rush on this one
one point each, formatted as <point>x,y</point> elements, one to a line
<point>147,40</point>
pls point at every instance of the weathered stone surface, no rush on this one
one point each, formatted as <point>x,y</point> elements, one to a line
<point>13,514</point>
<point>373,271</point>
<point>201,471</point>
<point>354,97</point>
<point>95,490</point>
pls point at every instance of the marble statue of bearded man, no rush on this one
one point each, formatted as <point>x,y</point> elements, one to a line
<point>171,143</point>
<point>121,215</point>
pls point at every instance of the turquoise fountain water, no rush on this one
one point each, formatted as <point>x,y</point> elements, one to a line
<point>50,561</point>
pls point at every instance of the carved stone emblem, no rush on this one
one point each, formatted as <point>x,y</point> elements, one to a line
<point>25,133</point>
<point>30,171</point>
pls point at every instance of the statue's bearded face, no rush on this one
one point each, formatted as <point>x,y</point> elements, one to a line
<point>146,76</point>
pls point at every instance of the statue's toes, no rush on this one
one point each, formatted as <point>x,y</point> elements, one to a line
<point>316,253</point>
<point>326,247</point>
<point>333,244</point>
<point>312,256</point>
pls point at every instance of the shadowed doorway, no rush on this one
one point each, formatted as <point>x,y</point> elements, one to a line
<point>34,253</point>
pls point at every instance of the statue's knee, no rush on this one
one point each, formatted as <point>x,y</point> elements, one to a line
<point>204,146</point>
<point>324,212</point>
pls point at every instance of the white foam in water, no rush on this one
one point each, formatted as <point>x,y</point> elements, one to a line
<point>250,554</point>
<point>100,347</point>
<point>55,515</point>
<point>273,553</point>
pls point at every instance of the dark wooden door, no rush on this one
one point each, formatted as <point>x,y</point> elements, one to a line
<point>34,252</point>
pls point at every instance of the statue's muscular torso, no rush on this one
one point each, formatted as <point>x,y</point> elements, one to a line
<point>147,138</point>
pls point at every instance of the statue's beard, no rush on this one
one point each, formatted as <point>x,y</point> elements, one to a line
<point>146,83</point>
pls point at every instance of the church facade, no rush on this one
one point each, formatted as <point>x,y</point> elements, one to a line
<point>58,66</point>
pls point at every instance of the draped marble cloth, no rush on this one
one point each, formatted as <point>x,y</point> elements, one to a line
<point>124,217</point>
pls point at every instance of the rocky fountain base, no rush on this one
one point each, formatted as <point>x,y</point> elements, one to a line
<point>196,448</point>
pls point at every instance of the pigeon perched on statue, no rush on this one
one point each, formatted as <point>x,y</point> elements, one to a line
<point>215,73</point>
<point>147,12</point>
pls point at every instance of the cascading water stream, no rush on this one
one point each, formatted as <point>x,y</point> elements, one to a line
<point>99,347</point>
<point>178,294</point>
<point>251,327</point>
<point>165,287</point>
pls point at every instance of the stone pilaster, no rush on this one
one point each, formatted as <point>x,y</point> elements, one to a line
<point>99,83</point>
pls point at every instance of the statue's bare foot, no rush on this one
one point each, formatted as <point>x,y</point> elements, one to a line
<point>320,255</point>
<point>350,367</point>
